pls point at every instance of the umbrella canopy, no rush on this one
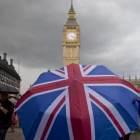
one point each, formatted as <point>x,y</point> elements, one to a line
<point>80,102</point>
<point>13,100</point>
<point>9,89</point>
<point>12,96</point>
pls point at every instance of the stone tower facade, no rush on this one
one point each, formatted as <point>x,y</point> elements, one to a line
<point>134,81</point>
<point>8,74</point>
<point>71,39</point>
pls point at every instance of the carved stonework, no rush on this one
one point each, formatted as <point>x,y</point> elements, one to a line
<point>134,81</point>
<point>71,39</point>
<point>8,74</point>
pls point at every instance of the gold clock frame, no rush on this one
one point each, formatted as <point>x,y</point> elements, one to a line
<point>74,31</point>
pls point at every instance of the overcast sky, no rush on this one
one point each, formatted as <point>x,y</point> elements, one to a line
<point>31,33</point>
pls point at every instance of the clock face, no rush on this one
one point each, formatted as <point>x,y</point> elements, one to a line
<point>71,36</point>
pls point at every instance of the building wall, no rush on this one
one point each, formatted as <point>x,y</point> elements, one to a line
<point>71,48</point>
<point>8,74</point>
<point>135,82</point>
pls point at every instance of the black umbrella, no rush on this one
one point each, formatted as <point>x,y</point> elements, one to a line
<point>9,89</point>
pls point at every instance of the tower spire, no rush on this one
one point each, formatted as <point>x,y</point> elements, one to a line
<point>71,47</point>
<point>71,20</point>
<point>71,8</point>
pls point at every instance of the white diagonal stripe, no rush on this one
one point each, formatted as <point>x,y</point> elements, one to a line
<point>46,116</point>
<point>90,115</point>
<point>112,109</point>
<point>58,73</point>
<point>54,120</point>
<point>68,117</point>
<point>39,94</point>
<point>112,84</point>
<point>87,71</point>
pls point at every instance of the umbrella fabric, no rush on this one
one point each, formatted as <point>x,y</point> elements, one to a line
<point>13,96</point>
<point>9,89</point>
<point>13,100</point>
<point>80,102</point>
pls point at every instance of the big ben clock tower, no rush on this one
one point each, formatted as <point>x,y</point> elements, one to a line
<point>71,39</point>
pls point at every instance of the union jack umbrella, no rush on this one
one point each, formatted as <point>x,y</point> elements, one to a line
<point>78,102</point>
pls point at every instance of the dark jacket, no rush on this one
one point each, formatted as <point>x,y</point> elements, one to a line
<point>138,101</point>
<point>139,106</point>
<point>5,119</point>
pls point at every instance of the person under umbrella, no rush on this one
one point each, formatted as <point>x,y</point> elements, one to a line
<point>126,137</point>
<point>138,102</point>
<point>6,110</point>
<point>13,122</point>
<point>13,99</point>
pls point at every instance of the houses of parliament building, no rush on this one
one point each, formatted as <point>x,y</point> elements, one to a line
<point>8,74</point>
<point>134,81</point>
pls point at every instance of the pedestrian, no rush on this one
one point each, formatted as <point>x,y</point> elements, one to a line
<point>138,101</point>
<point>17,121</point>
<point>13,122</point>
<point>126,137</point>
<point>6,110</point>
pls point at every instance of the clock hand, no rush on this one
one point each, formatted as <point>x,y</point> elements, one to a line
<point>72,36</point>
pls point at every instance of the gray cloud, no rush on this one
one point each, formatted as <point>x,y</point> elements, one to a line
<point>31,32</point>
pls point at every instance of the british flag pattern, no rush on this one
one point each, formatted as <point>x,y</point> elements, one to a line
<point>78,102</point>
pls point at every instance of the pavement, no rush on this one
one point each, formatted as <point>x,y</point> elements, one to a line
<point>135,135</point>
<point>18,135</point>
